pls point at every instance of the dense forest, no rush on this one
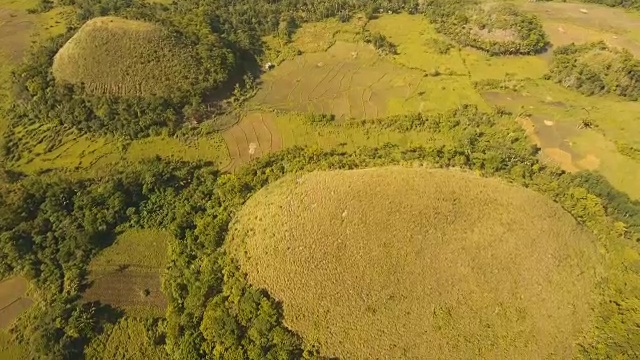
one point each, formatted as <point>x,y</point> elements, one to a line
<point>595,69</point>
<point>51,226</point>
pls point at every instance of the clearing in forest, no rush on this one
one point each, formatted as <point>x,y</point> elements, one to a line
<point>127,273</point>
<point>13,300</point>
<point>410,262</point>
<point>115,56</point>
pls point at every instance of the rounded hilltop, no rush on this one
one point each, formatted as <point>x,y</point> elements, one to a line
<point>116,56</point>
<point>410,262</point>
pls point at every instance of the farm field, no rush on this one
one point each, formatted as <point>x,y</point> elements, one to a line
<point>350,253</point>
<point>13,300</point>
<point>127,274</point>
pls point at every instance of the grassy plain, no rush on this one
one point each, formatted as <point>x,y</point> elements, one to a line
<point>18,29</point>
<point>410,262</point>
<point>128,339</point>
<point>123,57</point>
<point>9,349</point>
<point>127,273</point>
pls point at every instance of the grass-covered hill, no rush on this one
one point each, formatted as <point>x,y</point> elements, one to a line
<point>115,56</point>
<point>406,263</point>
<point>596,69</point>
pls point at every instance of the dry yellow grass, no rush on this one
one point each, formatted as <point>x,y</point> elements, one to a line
<point>411,263</point>
<point>123,57</point>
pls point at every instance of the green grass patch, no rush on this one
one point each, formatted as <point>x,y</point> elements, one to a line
<point>356,255</point>
<point>139,248</point>
<point>128,339</point>
<point>9,349</point>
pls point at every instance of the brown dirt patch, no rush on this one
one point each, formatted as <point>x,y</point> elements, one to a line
<point>560,157</point>
<point>15,29</point>
<point>125,288</point>
<point>496,34</point>
<point>589,162</point>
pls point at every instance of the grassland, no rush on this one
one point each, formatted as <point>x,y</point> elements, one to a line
<point>408,263</point>
<point>128,339</point>
<point>9,349</point>
<point>17,30</point>
<point>116,56</point>
<point>127,273</point>
<point>13,300</point>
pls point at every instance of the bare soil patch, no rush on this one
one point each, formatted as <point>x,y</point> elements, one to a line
<point>406,263</point>
<point>15,29</point>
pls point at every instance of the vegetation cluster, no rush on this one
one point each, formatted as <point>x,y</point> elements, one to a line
<point>472,25</point>
<point>596,69</point>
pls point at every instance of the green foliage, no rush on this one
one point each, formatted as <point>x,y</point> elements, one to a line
<point>596,69</point>
<point>380,43</point>
<point>464,22</point>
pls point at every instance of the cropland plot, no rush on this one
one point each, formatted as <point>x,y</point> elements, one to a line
<point>320,36</point>
<point>255,135</point>
<point>13,300</point>
<point>128,288</point>
<point>566,23</point>
<point>406,263</point>
<point>127,273</point>
<point>352,81</point>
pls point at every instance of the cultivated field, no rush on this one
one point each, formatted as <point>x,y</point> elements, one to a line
<point>352,81</point>
<point>417,263</point>
<point>127,273</point>
<point>13,300</point>
<point>116,56</point>
<point>255,135</point>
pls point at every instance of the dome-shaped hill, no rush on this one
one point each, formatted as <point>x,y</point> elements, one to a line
<point>398,263</point>
<point>116,56</point>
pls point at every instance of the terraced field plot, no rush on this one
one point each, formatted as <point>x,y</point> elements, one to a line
<point>408,263</point>
<point>351,81</point>
<point>127,274</point>
<point>255,135</point>
<point>13,300</point>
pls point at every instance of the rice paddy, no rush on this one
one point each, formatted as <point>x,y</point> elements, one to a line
<point>415,263</point>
